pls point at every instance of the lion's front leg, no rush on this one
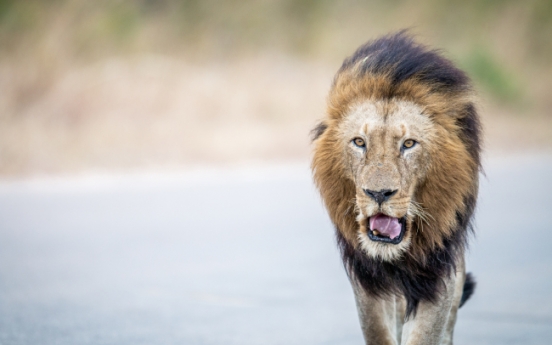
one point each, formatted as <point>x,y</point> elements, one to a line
<point>434,322</point>
<point>380,319</point>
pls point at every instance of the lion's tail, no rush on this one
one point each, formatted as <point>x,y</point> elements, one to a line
<point>469,288</point>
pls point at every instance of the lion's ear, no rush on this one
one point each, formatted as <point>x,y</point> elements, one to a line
<point>318,130</point>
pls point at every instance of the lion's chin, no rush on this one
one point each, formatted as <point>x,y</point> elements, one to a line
<point>384,235</point>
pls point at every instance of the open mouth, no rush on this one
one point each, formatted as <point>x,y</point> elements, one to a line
<point>386,229</point>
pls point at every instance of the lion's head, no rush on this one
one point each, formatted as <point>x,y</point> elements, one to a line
<point>397,157</point>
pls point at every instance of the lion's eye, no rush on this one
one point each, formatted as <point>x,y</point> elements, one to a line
<point>359,142</point>
<point>408,143</point>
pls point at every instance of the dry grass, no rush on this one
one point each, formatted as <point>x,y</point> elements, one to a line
<point>136,112</point>
<point>152,110</point>
<point>126,84</point>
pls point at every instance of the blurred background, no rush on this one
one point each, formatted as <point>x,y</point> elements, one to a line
<point>114,85</point>
<point>154,179</point>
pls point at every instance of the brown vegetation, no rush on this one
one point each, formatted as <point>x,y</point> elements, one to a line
<point>123,84</point>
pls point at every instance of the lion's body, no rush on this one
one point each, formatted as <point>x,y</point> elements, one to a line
<point>400,144</point>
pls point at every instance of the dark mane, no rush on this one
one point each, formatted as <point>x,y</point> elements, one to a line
<point>400,58</point>
<point>471,132</point>
<point>414,280</point>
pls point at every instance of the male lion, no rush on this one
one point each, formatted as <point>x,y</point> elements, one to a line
<point>396,161</point>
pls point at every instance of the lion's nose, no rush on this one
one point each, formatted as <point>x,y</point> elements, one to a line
<point>380,196</point>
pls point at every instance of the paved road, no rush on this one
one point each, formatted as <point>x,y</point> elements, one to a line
<point>240,257</point>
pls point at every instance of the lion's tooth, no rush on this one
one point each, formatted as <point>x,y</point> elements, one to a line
<point>375,232</point>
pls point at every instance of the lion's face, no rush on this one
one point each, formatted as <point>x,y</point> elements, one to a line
<point>385,145</point>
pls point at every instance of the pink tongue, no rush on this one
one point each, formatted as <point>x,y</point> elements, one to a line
<point>385,225</point>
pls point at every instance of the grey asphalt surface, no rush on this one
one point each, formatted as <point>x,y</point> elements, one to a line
<point>243,256</point>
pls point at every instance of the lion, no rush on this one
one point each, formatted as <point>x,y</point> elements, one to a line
<point>397,160</point>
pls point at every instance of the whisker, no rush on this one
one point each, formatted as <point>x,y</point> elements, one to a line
<point>422,215</point>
